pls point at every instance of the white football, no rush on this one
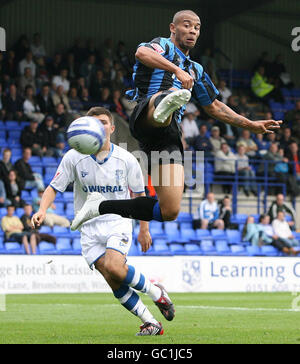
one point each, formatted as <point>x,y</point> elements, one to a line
<point>86,135</point>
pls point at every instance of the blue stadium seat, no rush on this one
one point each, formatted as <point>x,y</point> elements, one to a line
<point>177,249</point>
<point>35,160</point>
<point>14,248</point>
<point>186,225</point>
<point>76,245</point>
<point>68,196</point>
<point>207,247</point>
<point>46,229</point>
<point>63,246</point>
<point>234,236</point>
<point>60,231</point>
<point>218,234</point>
<point>49,162</point>
<point>170,226</point>
<point>184,217</point>
<point>13,125</point>
<point>239,218</point>
<point>254,251</point>
<point>188,235</point>
<point>156,228</point>
<point>47,248</point>
<point>270,251</point>
<point>134,251</point>
<point>202,234</point>
<point>69,210</point>
<point>238,250</point>
<point>37,169</point>
<point>193,249</point>
<point>160,247</point>
<point>222,247</point>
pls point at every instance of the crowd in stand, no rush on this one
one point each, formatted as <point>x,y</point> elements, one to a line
<point>49,91</point>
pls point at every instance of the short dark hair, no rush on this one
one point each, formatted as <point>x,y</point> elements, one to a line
<point>98,110</point>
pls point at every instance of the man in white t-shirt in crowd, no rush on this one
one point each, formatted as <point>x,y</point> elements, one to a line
<point>189,128</point>
<point>283,231</point>
<point>207,215</point>
<point>115,174</point>
<point>224,91</point>
<point>62,80</point>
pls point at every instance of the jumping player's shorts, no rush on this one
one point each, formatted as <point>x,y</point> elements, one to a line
<point>97,236</point>
<point>151,139</point>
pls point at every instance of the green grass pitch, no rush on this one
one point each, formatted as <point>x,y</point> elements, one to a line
<point>200,318</point>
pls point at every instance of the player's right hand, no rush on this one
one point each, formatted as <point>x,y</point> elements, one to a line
<point>185,78</point>
<point>37,219</point>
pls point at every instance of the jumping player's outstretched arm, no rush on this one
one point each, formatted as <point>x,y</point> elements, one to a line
<point>152,59</point>
<point>218,110</point>
<point>46,201</point>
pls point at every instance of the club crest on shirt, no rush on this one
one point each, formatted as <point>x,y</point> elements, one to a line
<point>119,174</point>
<point>84,174</point>
<point>159,49</point>
<point>124,240</point>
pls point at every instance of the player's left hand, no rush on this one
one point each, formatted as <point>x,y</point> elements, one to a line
<point>265,126</point>
<point>144,238</point>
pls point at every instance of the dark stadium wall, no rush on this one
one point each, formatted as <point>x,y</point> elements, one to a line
<point>266,28</point>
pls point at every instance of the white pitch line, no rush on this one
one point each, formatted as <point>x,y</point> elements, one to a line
<point>254,309</point>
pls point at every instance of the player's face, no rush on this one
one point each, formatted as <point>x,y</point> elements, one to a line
<point>108,127</point>
<point>186,31</point>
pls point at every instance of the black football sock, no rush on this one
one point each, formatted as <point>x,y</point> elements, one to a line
<point>140,208</point>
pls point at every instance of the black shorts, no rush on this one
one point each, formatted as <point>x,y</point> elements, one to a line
<point>153,139</point>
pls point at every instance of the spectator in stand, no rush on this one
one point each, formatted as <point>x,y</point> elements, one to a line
<point>5,165</point>
<point>86,100</point>
<point>263,90</point>
<point>128,105</point>
<point>282,172</point>
<point>36,47</point>
<point>14,189</point>
<point>253,233</point>
<point>202,142</point>
<point>62,80</point>
<point>21,47</point>
<point>296,128</point>
<point>263,61</point>
<point>251,147</point>
<point>107,51</point>
<point>79,50</point>
<point>60,117</point>
<point>75,103</point>
<point>27,62</point>
<point>45,101</point>
<point>31,108</point>
<point>225,212</point>
<point>123,57</point>
<point>51,218</point>
<point>72,66</point>
<point>266,227</point>
<point>190,128</point>
<point>25,80</point>
<point>119,82</point>
<point>293,156</point>
<point>11,65</point>
<point>207,215</point>
<point>291,115</point>
<point>14,231</point>
<point>286,139</point>
<point>262,145</point>
<point>208,58</point>
<point>273,156</point>
<point>26,221</point>
<point>105,99</point>
<point>224,91</point>
<point>281,205</point>
<point>225,167</point>
<point>107,69</point>
<point>14,104</point>
<point>97,85</point>
<point>55,65</point>
<point>3,198</point>
<point>49,136</point>
<point>283,231</point>
<point>32,138</point>
<point>244,107</point>
<point>2,104</point>
<point>27,176</point>
<point>216,140</point>
<point>42,74</point>
<point>246,171</point>
<point>191,107</point>
<point>60,97</point>
<point>88,69</point>
<point>118,107</point>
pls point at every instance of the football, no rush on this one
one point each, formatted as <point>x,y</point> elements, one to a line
<point>86,135</point>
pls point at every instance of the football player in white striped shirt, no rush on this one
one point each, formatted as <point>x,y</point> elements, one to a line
<point>113,173</point>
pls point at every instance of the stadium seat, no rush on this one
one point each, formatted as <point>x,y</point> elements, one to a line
<point>14,248</point>
<point>254,251</point>
<point>46,229</point>
<point>239,218</point>
<point>270,251</point>
<point>207,247</point>
<point>234,236</point>
<point>184,217</point>
<point>35,160</point>
<point>63,246</point>
<point>60,231</point>
<point>134,251</point>
<point>218,234</point>
<point>76,246</point>
<point>47,248</point>
<point>160,247</point>
<point>177,249</point>
<point>238,250</point>
<point>188,235</point>
<point>49,162</point>
<point>192,249</point>
<point>202,234</point>
<point>222,247</point>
